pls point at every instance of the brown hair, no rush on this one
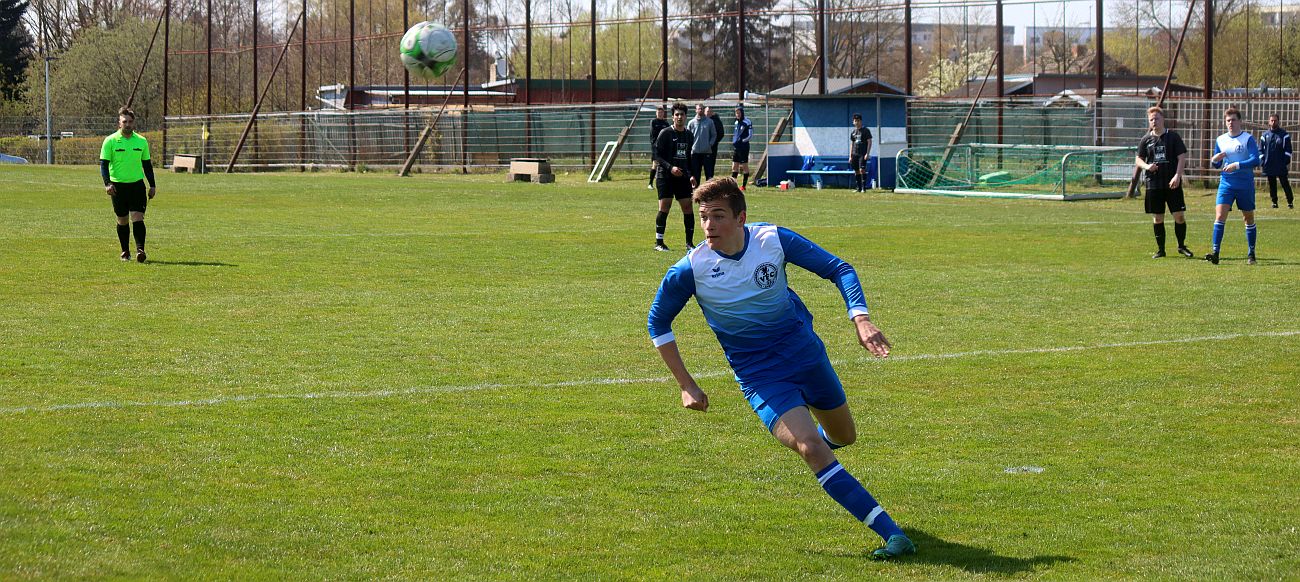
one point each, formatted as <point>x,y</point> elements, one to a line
<point>1233,112</point>
<point>1155,109</point>
<point>718,190</point>
<point>126,112</point>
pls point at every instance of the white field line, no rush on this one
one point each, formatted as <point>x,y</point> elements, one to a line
<point>355,395</point>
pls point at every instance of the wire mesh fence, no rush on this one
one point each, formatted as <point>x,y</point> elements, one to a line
<point>1113,122</point>
<point>77,140</point>
<point>482,137</point>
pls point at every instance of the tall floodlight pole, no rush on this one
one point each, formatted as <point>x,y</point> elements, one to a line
<point>663,52</point>
<point>821,47</point>
<point>45,55</point>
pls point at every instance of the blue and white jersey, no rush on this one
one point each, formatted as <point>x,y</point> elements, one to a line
<point>759,320</point>
<point>1243,150</point>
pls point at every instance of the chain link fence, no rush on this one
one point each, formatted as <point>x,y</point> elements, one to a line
<point>77,140</point>
<point>480,138</point>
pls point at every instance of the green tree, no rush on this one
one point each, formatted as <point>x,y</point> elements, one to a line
<point>15,47</point>
<point>94,76</point>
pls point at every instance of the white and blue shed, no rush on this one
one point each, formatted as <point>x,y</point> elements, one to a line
<point>822,124</point>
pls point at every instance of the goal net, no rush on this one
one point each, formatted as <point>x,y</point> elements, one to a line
<point>1016,171</point>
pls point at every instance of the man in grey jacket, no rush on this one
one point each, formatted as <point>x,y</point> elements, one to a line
<point>706,135</point>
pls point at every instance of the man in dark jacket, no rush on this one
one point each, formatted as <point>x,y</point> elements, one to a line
<point>717,139</point>
<point>1275,156</point>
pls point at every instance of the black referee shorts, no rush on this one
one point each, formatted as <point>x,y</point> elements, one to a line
<point>671,186</point>
<point>1158,198</point>
<point>130,198</point>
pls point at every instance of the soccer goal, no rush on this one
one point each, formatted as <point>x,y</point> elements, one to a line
<point>1016,171</point>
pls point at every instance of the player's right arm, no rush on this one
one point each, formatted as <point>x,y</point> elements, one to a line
<point>676,289</point>
<point>1140,159</point>
<point>1216,159</point>
<point>105,156</point>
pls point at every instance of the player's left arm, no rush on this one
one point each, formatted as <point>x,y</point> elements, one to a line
<point>1177,180</point>
<point>867,156</point>
<point>1286,147</point>
<point>147,164</point>
<point>805,253</point>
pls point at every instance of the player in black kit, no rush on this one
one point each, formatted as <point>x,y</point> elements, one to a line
<point>1163,156</point>
<point>860,153</point>
<point>673,162</point>
<point>658,124</point>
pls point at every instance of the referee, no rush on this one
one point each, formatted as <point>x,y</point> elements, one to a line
<point>124,164</point>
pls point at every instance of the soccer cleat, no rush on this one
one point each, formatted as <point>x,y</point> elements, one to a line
<point>1290,205</point>
<point>650,186</point>
<point>1274,205</point>
<point>1213,258</point>
<point>140,256</point>
<point>1250,259</point>
<point>1186,252</point>
<point>125,256</point>
<point>661,247</point>
<point>897,546</point>
<point>1158,255</point>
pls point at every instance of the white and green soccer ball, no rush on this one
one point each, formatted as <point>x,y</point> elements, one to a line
<point>428,49</point>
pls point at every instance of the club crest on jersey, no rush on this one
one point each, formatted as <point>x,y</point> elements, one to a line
<point>765,275</point>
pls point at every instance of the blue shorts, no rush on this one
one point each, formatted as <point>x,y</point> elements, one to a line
<point>816,385</point>
<point>1245,199</point>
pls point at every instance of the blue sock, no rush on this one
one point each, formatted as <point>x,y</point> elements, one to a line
<point>1250,238</point>
<point>1217,239</point>
<point>846,491</point>
<point>832,444</point>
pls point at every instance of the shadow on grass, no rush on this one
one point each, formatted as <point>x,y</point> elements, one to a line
<point>972,559</point>
<point>192,263</point>
<point>976,560</point>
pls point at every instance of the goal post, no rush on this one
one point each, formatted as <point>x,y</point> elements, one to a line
<point>1039,172</point>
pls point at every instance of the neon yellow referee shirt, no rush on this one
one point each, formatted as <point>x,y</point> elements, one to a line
<point>125,156</point>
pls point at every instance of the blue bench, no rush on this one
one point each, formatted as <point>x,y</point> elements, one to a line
<point>818,167</point>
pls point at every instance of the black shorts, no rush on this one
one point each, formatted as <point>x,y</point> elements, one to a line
<point>1158,199</point>
<point>740,153</point>
<point>671,186</point>
<point>856,162</point>
<point>129,198</point>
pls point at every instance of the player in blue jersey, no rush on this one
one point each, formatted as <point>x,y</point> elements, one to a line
<point>738,279</point>
<point>740,136</point>
<point>1235,154</point>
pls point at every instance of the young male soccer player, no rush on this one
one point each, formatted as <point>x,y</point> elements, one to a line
<point>658,124</point>
<point>124,164</point>
<point>1274,157</point>
<point>738,278</point>
<point>1163,156</point>
<point>860,153</point>
<point>705,133</point>
<point>1236,154</point>
<point>675,179</point>
<point>740,136</point>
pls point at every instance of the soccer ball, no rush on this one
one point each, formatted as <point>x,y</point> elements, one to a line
<point>428,49</point>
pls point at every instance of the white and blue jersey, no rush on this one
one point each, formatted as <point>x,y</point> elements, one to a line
<point>1239,185</point>
<point>764,328</point>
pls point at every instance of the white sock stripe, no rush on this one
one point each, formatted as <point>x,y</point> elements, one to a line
<point>831,473</point>
<point>871,517</point>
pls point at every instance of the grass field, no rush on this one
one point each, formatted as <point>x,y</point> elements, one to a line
<point>359,376</point>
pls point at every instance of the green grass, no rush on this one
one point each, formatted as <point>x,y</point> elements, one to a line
<point>360,376</point>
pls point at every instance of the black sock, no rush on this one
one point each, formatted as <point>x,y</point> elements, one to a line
<point>746,182</point>
<point>1159,227</point>
<point>733,175</point>
<point>661,224</point>
<point>688,220</point>
<point>1180,231</point>
<point>124,236</point>
<point>138,227</point>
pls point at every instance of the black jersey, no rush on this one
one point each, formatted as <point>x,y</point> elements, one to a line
<point>657,125</point>
<point>860,137</point>
<point>1163,150</point>
<point>673,148</point>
